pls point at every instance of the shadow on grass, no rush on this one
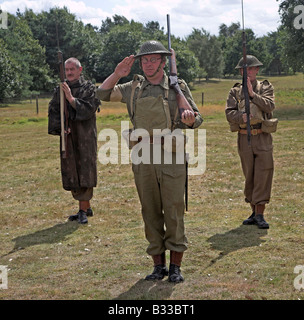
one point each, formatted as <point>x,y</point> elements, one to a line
<point>244,236</point>
<point>148,290</point>
<point>54,234</point>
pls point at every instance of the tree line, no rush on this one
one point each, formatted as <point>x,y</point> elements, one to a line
<point>29,46</point>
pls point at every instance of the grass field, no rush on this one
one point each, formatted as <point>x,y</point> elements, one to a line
<point>50,258</point>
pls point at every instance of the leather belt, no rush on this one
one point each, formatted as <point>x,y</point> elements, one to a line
<point>254,132</point>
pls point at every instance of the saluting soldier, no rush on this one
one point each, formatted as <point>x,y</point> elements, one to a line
<point>152,104</point>
<point>256,159</point>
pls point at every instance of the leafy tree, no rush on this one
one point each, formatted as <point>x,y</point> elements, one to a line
<point>108,24</point>
<point>186,62</point>
<point>120,42</point>
<point>275,64</point>
<point>152,30</point>
<point>28,54</point>
<point>9,73</point>
<point>232,46</point>
<point>59,29</point>
<point>291,36</point>
<point>208,51</point>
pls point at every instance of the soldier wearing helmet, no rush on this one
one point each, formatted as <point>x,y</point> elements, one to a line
<point>152,104</point>
<point>252,61</point>
<point>256,159</point>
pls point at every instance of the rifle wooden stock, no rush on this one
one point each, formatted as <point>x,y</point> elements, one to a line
<point>63,108</point>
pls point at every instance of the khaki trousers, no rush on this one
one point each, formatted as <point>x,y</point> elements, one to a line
<point>161,192</point>
<point>82,194</point>
<point>257,165</point>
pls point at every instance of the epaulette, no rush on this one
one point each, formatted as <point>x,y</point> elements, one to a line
<point>237,85</point>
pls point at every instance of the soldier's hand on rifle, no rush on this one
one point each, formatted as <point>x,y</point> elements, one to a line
<point>245,117</point>
<point>67,92</point>
<point>250,89</point>
<point>188,117</point>
<point>124,67</point>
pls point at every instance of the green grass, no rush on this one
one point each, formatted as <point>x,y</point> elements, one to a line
<point>49,258</point>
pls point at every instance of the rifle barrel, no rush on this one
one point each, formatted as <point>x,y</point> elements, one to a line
<point>169,39</point>
<point>244,84</point>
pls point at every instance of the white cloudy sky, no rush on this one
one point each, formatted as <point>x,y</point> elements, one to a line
<point>260,15</point>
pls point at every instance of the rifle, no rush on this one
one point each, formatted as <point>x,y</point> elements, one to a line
<point>182,102</point>
<point>244,84</point>
<point>64,115</point>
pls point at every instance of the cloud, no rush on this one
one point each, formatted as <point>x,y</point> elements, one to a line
<point>79,8</point>
<point>260,15</point>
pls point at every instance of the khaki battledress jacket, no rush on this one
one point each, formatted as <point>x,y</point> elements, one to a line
<point>160,186</point>
<point>79,169</point>
<point>257,159</point>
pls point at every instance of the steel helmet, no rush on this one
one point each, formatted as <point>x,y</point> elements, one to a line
<point>252,61</point>
<point>152,47</point>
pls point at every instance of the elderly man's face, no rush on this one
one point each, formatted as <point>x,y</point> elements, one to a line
<point>72,72</point>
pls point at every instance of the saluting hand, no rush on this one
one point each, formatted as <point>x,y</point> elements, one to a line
<point>124,67</point>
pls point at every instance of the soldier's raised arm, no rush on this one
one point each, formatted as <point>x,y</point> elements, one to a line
<point>122,70</point>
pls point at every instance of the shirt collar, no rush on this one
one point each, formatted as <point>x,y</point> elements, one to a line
<point>77,83</point>
<point>164,83</point>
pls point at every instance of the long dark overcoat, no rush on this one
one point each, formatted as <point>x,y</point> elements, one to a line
<point>79,169</point>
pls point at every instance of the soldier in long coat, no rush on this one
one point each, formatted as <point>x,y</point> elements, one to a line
<point>256,159</point>
<point>79,168</point>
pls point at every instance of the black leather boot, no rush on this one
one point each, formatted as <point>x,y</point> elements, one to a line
<point>175,274</point>
<point>74,217</point>
<point>160,270</point>
<point>260,221</point>
<point>82,217</point>
<point>174,269</point>
<point>249,220</point>
<point>90,212</point>
<point>259,217</point>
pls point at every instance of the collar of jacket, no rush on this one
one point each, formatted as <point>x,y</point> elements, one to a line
<point>164,83</point>
<point>78,83</point>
